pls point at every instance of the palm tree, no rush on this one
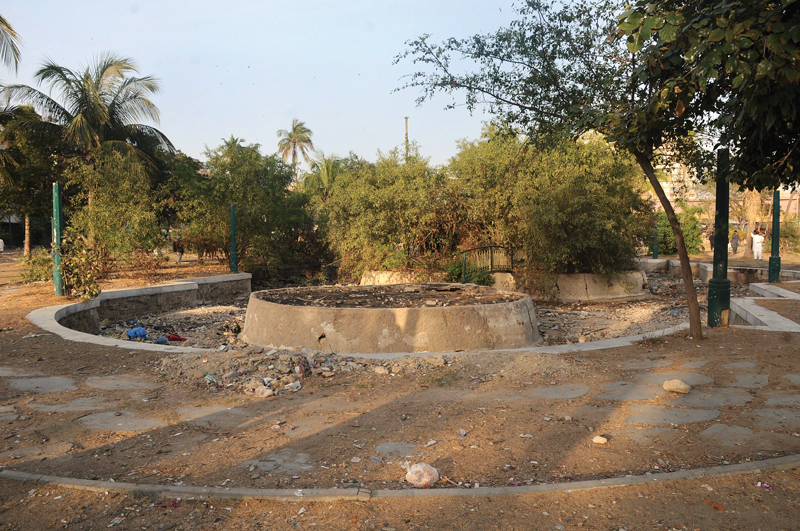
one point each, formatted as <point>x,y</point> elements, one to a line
<point>323,174</point>
<point>9,44</point>
<point>298,140</point>
<point>102,105</point>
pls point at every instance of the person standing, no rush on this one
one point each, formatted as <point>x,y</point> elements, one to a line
<point>758,245</point>
<point>711,239</point>
<point>735,242</point>
<point>178,248</point>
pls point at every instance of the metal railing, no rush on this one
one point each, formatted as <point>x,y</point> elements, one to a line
<point>485,260</point>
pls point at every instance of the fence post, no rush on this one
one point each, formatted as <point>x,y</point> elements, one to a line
<point>234,257</point>
<point>58,226</point>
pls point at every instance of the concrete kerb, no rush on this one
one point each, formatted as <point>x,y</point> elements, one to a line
<point>49,318</point>
<point>362,494</point>
<point>748,310</point>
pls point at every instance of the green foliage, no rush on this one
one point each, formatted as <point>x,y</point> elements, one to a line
<point>37,266</point>
<point>454,271</point>
<point>388,214</point>
<point>81,265</point>
<point>790,238</point>
<point>692,232</point>
<point>731,66</point>
<point>580,210</point>
<point>272,226</point>
<point>113,204</point>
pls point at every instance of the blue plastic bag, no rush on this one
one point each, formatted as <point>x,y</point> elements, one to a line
<point>137,333</point>
<point>162,341</point>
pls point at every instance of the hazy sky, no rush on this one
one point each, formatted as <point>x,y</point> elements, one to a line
<point>247,68</point>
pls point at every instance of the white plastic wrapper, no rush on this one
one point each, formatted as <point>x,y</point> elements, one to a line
<point>422,475</point>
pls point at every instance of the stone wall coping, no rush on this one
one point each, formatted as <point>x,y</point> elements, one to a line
<point>216,279</point>
<point>48,318</point>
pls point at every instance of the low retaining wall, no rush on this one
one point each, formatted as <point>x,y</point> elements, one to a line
<point>135,302</point>
<point>586,287</point>
<point>387,330</point>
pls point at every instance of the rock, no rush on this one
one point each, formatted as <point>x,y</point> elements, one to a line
<point>196,374</point>
<point>293,387</point>
<point>263,391</point>
<point>328,374</point>
<point>599,439</point>
<point>436,361</point>
<point>582,339</point>
<point>379,369</point>
<point>282,367</point>
<point>677,386</point>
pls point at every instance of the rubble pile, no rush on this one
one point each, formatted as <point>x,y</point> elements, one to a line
<point>268,372</point>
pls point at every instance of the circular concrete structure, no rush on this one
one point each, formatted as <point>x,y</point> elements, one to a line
<point>444,318</point>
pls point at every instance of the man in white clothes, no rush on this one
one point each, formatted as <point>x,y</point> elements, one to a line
<point>2,245</point>
<point>758,245</point>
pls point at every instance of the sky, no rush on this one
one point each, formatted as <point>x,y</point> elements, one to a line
<point>247,68</point>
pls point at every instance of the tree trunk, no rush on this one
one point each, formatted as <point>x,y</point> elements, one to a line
<point>695,323</point>
<point>26,248</point>
<point>753,202</point>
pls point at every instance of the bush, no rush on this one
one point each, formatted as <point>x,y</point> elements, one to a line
<point>80,265</point>
<point>790,238</point>
<point>454,271</point>
<point>37,266</point>
<point>692,232</point>
<point>580,210</point>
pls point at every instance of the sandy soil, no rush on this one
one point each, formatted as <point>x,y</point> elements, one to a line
<point>338,422</point>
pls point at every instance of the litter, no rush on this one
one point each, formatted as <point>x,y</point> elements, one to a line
<point>422,475</point>
<point>462,433</point>
<point>116,520</point>
<point>174,337</point>
<point>29,336</point>
<point>765,485</point>
<point>430,443</point>
<point>211,379</point>
<point>137,333</point>
<point>715,505</point>
<point>162,341</point>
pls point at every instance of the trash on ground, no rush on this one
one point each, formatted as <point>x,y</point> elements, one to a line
<point>765,485</point>
<point>422,475</point>
<point>137,333</point>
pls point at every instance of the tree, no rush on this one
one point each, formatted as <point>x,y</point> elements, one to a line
<point>101,107</point>
<point>9,44</point>
<point>555,71</point>
<point>294,142</point>
<point>733,64</point>
<point>324,171</point>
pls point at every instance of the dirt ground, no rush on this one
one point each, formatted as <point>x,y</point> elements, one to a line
<point>479,418</point>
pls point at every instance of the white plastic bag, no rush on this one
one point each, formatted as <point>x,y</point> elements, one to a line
<point>422,475</point>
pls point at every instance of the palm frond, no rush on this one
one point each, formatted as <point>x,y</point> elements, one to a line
<point>43,104</point>
<point>9,44</point>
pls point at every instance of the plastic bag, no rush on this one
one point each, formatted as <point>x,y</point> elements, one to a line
<point>137,333</point>
<point>422,475</point>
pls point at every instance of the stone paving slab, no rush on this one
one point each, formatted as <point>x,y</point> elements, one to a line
<point>629,391</point>
<point>744,365</point>
<point>716,397</point>
<point>699,364</point>
<point>750,381</point>
<point>14,372</point>
<point>47,384</point>
<point>51,450</point>
<point>725,435</point>
<point>89,403</point>
<point>783,398</point>
<point>284,461</point>
<point>644,364</point>
<point>125,421</point>
<point>658,378</point>
<point>396,449</point>
<point>112,383</point>
<point>641,435</point>
<point>771,419</point>
<point>7,413</point>
<point>794,378</point>
<point>560,392</point>
<point>667,415</point>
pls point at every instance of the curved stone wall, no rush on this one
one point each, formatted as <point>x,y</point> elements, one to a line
<point>504,325</point>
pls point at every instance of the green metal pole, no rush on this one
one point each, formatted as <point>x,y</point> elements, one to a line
<point>234,257</point>
<point>58,227</point>
<point>655,240</point>
<point>775,258</point>
<point>719,287</point>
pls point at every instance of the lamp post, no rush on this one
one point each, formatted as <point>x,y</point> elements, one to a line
<point>775,257</point>
<point>719,287</point>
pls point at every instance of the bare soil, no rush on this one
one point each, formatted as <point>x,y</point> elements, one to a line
<point>338,421</point>
<point>787,308</point>
<point>795,287</point>
<point>391,296</point>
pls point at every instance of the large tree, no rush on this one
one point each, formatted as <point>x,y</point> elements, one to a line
<point>296,141</point>
<point>100,109</point>
<point>556,71</point>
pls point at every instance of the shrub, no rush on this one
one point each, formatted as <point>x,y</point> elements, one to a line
<point>692,232</point>
<point>80,265</point>
<point>454,271</point>
<point>38,265</point>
